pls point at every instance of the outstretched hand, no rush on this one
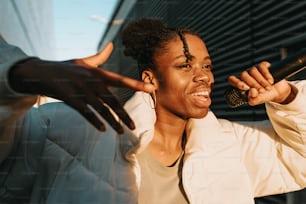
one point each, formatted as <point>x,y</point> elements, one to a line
<point>80,84</point>
<point>259,83</point>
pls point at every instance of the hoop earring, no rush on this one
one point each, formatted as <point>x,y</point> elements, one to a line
<point>153,101</point>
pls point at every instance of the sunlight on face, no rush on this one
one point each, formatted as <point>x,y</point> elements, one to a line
<point>184,86</point>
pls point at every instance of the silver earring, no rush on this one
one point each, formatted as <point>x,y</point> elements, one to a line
<point>153,101</point>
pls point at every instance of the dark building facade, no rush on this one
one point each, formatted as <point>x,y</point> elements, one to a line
<point>238,34</point>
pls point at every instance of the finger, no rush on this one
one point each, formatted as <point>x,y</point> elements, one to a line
<point>103,111</point>
<point>99,58</point>
<point>261,81</point>
<point>249,78</point>
<point>253,93</point>
<point>117,80</point>
<point>236,82</point>
<point>115,105</point>
<point>252,97</point>
<point>84,110</point>
<point>264,69</point>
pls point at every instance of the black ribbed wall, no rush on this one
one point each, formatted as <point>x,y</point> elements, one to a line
<point>238,34</point>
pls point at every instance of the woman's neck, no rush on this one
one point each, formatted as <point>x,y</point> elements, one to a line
<point>166,145</point>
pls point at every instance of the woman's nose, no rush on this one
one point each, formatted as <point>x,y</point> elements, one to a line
<point>201,75</point>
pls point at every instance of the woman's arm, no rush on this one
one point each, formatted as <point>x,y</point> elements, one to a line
<point>275,153</point>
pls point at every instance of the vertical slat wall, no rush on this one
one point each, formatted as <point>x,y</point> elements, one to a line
<point>238,35</point>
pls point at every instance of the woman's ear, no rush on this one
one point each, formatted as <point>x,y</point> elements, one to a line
<point>149,77</point>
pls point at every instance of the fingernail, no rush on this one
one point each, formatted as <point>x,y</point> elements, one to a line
<point>270,81</point>
<point>132,125</point>
<point>119,129</point>
<point>244,86</point>
<point>102,128</point>
<point>267,64</point>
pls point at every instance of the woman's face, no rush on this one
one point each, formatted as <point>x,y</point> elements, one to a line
<point>184,87</point>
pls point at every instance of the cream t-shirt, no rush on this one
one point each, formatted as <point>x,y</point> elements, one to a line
<point>159,183</point>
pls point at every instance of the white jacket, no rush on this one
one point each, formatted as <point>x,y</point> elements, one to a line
<point>56,156</point>
<point>228,162</point>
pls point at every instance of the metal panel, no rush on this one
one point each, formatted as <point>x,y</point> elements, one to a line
<point>238,34</point>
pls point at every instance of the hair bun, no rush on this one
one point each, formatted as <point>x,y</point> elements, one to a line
<point>140,37</point>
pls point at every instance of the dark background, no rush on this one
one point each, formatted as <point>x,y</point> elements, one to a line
<point>238,34</point>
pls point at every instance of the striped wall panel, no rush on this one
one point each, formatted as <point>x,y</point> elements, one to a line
<point>238,34</point>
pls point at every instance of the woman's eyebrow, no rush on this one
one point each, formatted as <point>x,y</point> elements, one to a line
<point>183,56</point>
<point>207,58</point>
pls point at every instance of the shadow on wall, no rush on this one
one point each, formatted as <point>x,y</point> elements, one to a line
<point>298,197</point>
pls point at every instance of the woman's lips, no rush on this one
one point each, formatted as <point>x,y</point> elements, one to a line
<point>201,97</point>
<point>202,94</point>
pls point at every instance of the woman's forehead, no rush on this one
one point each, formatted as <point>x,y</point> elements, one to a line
<point>194,43</point>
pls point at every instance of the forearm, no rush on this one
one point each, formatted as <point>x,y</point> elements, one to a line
<point>289,119</point>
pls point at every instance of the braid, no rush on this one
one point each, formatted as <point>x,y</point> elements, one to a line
<point>185,46</point>
<point>145,38</point>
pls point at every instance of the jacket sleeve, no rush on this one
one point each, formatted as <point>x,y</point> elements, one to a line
<point>274,152</point>
<point>12,105</point>
<point>289,121</point>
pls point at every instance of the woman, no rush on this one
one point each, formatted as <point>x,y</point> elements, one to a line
<point>186,155</point>
<point>179,152</point>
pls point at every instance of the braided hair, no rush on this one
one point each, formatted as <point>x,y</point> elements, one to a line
<point>146,38</point>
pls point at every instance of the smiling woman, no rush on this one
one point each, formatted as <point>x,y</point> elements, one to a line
<point>178,152</point>
<point>188,154</point>
<point>177,63</point>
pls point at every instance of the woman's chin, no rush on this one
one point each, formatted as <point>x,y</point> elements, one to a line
<point>200,114</point>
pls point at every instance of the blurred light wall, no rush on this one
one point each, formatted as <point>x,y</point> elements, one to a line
<point>28,24</point>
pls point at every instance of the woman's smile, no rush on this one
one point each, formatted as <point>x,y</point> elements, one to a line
<point>201,98</point>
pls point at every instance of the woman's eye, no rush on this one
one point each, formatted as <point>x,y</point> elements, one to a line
<point>207,66</point>
<point>185,66</point>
